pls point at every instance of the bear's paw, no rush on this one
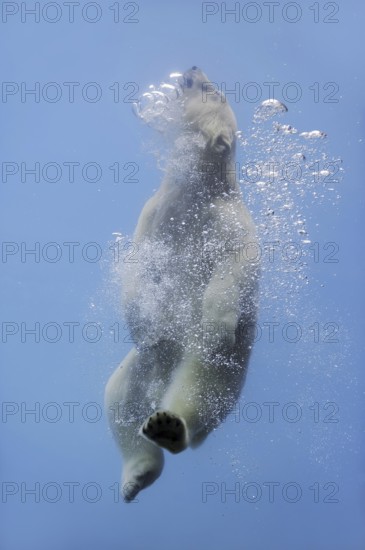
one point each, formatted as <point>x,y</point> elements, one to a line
<point>166,430</point>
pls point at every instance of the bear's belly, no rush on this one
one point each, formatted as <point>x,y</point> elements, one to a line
<point>165,290</point>
<point>187,236</point>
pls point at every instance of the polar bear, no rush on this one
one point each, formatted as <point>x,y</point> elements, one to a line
<point>191,298</point>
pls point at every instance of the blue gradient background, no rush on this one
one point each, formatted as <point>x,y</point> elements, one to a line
<point>170,36</point>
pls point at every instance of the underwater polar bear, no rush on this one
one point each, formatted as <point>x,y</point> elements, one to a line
<point>191,298</point>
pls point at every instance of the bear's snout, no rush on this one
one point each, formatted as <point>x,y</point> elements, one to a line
<point>190,76</point>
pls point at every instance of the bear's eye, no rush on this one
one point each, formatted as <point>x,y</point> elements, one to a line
<point>189,82</point>
<point>221,144</point>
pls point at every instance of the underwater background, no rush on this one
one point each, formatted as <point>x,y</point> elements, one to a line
<point>285,470</point>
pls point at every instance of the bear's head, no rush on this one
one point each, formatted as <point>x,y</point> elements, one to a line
<point>206,110</point>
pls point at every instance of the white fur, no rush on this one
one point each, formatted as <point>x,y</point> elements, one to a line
<point>191,298</point>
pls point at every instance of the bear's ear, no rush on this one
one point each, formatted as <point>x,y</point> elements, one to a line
<point>222,143</point>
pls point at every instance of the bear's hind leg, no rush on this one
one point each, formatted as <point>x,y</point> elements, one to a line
<point>125,402</point>
<point>201,395</point>
<point>141,469</point>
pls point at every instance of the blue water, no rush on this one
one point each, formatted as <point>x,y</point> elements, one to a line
<point>286,468</point>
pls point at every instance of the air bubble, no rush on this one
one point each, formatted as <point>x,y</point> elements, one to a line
<point>160,107</point>
<point>298,156</point>
<point>286,129</point>
<point>268,109</point>
<point>314,134</point>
